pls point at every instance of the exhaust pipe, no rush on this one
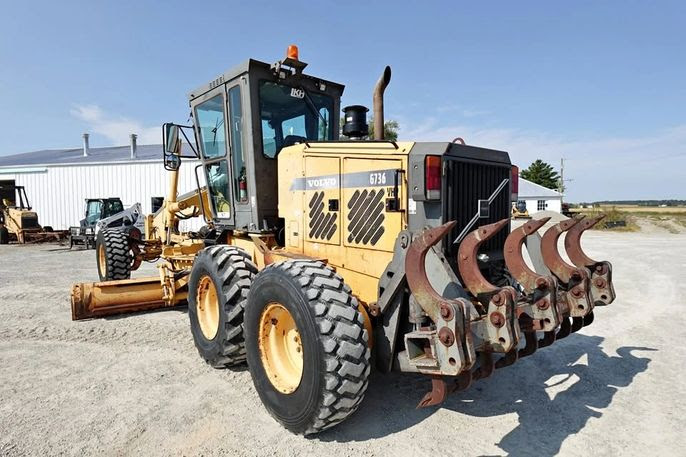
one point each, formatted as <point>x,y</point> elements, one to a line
<point>379,89</point>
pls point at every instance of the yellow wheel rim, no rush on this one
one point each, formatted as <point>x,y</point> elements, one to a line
<point>102,260</point>
<point>207,307</point>
<point>281,349</point>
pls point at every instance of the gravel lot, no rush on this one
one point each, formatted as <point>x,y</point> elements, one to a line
<point>135,384</point>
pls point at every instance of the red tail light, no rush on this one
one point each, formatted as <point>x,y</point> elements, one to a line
<point>432,167</point>
<point>515,183</point>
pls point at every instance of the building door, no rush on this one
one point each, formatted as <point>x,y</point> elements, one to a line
<point>7,191</point>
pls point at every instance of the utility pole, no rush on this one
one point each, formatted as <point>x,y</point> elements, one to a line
<point>561,187</point>
<point>562,177</point>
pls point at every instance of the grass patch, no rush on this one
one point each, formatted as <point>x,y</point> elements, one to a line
<point>612,216</point>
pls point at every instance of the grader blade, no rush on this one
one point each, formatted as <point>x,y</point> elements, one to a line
<point>602,290</point>
<point>538,309</point>
<point>573,282</point>
<point>100,299</point>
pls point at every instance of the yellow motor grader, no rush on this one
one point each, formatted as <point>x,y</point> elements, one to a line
<point>321,252</point>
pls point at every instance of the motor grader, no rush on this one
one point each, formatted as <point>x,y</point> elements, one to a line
<point>323,254</point>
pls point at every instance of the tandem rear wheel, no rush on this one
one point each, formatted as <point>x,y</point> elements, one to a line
<point>218,290</point>
<point>306,345</point>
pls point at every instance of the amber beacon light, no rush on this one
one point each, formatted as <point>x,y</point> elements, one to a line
<point>292,52</point>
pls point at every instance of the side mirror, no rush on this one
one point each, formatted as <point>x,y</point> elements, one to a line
<point>171,138</point>
<point>172,146</point>
<point>172,162</point>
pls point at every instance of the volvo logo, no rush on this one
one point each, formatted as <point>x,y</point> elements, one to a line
<point>322,183</point>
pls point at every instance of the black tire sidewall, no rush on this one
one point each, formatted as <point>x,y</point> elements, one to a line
<point>4,235</point>
<point>295,410</point>
<point>203,266</point>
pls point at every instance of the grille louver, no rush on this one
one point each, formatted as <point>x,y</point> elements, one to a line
<point>465,184</point>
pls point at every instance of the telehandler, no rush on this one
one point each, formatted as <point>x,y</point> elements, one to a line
<point>323,254</point>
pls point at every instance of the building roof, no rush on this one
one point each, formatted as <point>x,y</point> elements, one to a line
<point>74,156</point>
<point>530,190</point>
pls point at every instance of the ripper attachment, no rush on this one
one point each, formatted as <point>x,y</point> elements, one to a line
<point>466,332</point>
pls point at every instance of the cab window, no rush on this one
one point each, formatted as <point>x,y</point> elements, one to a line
<point>112,207</point>
<point>218,185</point>
<point>290,115</point>
<point>93,210</point>
<point>239,172</point>
<point>209,117</point>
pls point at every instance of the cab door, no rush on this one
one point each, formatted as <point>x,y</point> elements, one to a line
<point>212,132</point>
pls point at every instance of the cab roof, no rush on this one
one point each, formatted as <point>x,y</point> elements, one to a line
<point>245,68</point>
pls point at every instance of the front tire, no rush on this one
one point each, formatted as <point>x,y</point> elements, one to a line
<point>113,255</point>
<point>217,293</point>
<point>330,335</point>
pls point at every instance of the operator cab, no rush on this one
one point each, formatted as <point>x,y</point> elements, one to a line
<point>101,208</point>
<point>242,120</point>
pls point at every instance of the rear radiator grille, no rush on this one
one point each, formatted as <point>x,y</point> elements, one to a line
<point>466,183</point>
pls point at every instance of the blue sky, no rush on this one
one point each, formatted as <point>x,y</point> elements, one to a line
<point>600,83</point>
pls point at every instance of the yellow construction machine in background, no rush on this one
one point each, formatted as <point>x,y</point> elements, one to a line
<point>18,221</point>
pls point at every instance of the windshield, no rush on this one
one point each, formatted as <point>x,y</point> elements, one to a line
<point>113,207</point>
<point>289,115</point>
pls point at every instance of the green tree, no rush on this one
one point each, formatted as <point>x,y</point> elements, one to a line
<point>390,130</point>
<point>542,173</point>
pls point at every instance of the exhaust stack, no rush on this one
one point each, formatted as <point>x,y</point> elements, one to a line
<point>86,147</point>
<point>379,89</point>
<point>133,137</point>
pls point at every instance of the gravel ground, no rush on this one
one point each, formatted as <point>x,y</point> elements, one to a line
<point>135,384</point>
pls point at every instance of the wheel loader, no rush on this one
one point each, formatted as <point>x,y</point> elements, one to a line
<point>323,254</point>
<point>18,221</point>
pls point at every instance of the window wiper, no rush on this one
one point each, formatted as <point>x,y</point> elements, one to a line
<point>217,124</point>
<point>312,106</point>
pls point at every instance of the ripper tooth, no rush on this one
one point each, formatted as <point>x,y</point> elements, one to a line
<point>602,290</point>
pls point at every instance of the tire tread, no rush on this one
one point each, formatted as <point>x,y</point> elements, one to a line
<point>343,338</point>
<point>236,270</point>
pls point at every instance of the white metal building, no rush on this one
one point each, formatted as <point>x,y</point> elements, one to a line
<point>58,181</point>
<point>539,198</point>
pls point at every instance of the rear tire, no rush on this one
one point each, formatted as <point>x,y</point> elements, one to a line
<point>335,354</point>
<point>4,235</point>
<point>113,255</point>
<point>225,274</point>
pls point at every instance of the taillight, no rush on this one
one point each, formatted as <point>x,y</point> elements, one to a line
<point>515,183</point>
<point>432,168</point>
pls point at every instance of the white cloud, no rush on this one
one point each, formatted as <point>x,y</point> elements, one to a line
<point>115,128</point>
<point>462,111</point>
<point>645,165</point>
